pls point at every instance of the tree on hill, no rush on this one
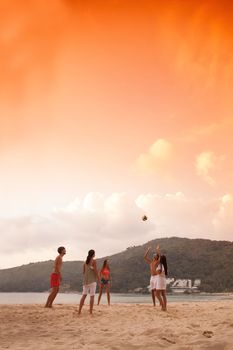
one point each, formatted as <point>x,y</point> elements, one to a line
<point>210,261</point>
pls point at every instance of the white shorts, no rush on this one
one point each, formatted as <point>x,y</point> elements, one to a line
<point>153,282</point>
<point>89,288</point>
<point>161,283</point>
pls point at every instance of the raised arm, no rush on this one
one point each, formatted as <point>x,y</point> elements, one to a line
<point>146,256</point>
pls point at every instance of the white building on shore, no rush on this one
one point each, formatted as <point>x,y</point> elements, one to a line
<point>180,286</point>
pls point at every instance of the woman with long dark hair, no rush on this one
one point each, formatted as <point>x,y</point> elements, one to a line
<point>161,281</point>
<point>105,281</point>
<point>90,275</point>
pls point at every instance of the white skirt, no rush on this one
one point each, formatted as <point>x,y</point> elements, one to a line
<point>161,283</point>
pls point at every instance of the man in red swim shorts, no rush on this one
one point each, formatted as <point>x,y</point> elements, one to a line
<point>56,277</point>
<point>55,280</point>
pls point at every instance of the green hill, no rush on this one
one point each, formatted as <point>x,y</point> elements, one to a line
<point>211,261</point>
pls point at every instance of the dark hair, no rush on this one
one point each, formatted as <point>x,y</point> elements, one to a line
<point>163,261</point>
<point>60,249</point>
<point>104,264</point>
<point>91,253</point>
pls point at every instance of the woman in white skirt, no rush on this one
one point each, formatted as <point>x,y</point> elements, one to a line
<point>161,281</point>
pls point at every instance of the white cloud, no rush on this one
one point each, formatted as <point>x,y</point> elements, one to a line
<point>94,202</point>
<point>206,165</point>
<point>111,224</point>
<point>175,214</point>
<point>157,159</point>
<point>106,224</point>
<point>223,221</point>
<point>208,130</point>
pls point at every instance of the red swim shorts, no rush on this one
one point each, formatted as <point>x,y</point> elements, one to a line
<point>54,280</point>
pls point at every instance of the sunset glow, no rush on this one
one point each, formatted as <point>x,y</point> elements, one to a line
<point>110,109</point>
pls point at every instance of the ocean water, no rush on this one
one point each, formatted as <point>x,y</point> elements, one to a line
<point>73,298</point>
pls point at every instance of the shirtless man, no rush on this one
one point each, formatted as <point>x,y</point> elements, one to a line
<point>154,272</point>
<point>55,277</point>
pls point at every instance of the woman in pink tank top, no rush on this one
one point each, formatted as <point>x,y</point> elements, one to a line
<point>105,281</point>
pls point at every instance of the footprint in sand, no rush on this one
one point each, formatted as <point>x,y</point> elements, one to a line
<point>208,334</point>
<point>194,325</point>
<point>171,341</point>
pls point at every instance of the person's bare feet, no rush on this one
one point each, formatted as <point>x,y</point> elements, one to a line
<point>77,313</point>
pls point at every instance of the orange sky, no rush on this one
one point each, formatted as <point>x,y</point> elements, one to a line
<point>87,87</point>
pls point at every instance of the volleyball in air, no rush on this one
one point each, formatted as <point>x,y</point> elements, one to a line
<point>144,218</point>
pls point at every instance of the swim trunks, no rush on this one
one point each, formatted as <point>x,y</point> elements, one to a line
<point>55,280</point>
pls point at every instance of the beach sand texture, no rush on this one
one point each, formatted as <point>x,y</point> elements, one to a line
<point>197,325</point>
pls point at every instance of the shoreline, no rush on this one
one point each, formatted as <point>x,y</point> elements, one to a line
<point>118,327</point>
<point>127,293</point>
<point>116,298</point>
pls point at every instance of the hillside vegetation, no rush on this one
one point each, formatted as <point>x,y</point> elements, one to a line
<point>211,261</point>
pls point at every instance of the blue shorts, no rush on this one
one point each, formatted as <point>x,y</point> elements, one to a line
<point>104,281</point>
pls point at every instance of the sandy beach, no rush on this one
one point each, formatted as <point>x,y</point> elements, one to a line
<point>198,325</point>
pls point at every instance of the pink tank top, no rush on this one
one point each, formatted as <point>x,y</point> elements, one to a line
<point>105,272</point>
